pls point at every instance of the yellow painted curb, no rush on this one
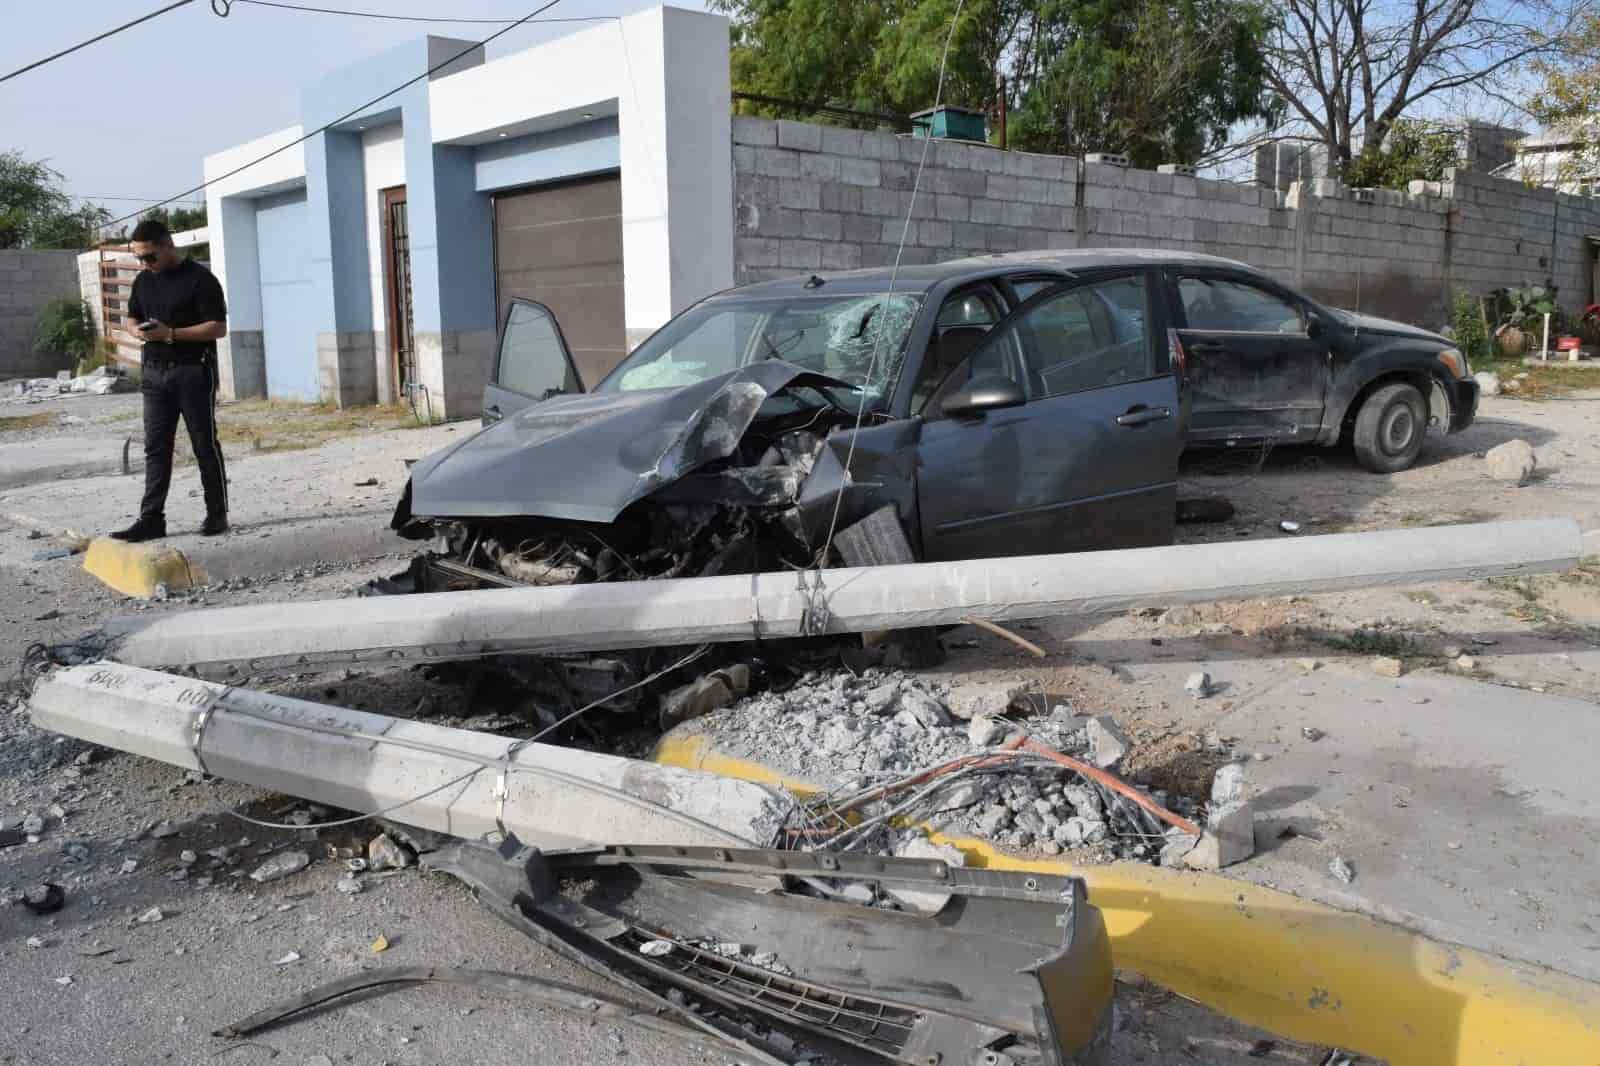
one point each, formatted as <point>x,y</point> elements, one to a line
<point>1300,969</point>
<point>137,569</point>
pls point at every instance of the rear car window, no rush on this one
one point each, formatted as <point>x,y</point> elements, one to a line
<point>1232,306</point>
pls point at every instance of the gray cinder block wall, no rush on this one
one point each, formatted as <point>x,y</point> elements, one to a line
<point>29,279</point>
<point>814,198</point>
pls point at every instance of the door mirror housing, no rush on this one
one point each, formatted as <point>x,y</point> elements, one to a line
<point>989,393</point>
<point>1315,327</point>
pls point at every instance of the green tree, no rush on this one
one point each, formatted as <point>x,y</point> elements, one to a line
<point>36,213</point>
<point>1413,150</point>
<point>1569,98</point>
<point>1159,80</point>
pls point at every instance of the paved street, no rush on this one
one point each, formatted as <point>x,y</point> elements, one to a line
<point>1430,784</point>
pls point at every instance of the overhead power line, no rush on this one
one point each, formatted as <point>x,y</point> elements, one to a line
<point>354,111</point>
<point>409,18</point>
<point>100,37</point>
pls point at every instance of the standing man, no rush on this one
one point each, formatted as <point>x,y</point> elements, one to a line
<point>178,307</point>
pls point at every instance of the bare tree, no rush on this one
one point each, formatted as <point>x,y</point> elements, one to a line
<point>1349,69</point>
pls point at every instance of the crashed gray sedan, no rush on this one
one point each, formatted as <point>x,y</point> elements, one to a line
<point>990,407</point>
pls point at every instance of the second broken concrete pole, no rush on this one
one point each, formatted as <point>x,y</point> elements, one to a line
<point>457,781</point>
<point>231,641</point>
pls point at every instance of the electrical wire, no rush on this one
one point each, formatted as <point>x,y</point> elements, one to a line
<point>100,37</point>
<point>529,17</point>
<point>894,274</point>
<point>312,9</point>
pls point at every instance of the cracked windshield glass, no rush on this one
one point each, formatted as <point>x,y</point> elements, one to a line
<point>859,339</point>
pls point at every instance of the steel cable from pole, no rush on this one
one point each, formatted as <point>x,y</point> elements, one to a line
<point>223,6</point>
<point>894,274</point>
<point>36,64</point>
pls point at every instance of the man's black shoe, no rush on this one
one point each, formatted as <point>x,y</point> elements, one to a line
<point>213,525</point>
<point>143,529</point>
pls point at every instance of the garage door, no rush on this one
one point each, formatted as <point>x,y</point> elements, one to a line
<point>288,330</point>
<point>562,246</point>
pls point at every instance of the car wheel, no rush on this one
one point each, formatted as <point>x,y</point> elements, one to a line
<point>1390,428</point>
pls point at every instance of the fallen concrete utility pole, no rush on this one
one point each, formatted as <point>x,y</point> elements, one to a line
<point>230,641</point>
<point>470,784</point>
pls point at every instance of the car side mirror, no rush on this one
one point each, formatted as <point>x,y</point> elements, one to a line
<point>1315,327</point>
<point>989,393</point>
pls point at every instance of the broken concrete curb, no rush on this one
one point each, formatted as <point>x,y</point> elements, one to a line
<point>1277,961</point>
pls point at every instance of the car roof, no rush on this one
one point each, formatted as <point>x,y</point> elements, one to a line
<point>922,278</point>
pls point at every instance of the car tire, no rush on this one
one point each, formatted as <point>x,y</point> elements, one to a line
<point>1390,428</point>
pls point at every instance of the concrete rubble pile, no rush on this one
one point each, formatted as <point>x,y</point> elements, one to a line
<point>847,734</point>
<point>99,382</point>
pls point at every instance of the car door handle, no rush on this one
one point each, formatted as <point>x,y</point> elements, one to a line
<point>1141,416</point>
<point>1205,348</point>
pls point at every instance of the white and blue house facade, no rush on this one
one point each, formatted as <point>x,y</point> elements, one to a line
<point>595,169</point>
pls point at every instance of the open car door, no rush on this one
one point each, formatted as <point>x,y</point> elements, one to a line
<point>1060,432</point>
<point>532,363</point>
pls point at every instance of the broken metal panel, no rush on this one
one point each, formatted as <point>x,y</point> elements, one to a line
<point>231,641</point>
<point>882,472</point>
<point>455,781</point>
<point>1008,971</point>
<point>586,458</point>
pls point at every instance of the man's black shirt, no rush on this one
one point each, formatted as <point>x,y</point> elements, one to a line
<point>186,295</point>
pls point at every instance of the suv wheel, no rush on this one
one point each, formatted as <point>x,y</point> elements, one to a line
<point>1390,428</point>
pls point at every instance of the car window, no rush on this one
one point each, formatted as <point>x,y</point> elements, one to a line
<point>1027,288</point>
<point>533,359</point>
<point>963,320</point>
<point>1232,306</point>
<point>994,355</point>
<point>858,338</point>
<point>974,308</point>
<point>1086,337</point>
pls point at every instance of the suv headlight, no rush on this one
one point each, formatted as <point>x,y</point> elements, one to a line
<point>1455,362</point>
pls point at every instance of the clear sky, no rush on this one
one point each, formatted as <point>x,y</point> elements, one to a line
<point>133,115</point>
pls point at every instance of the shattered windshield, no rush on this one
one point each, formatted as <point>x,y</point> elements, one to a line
<point>841,336</point>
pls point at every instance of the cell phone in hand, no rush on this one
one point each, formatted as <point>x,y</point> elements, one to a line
<point>148,324</point>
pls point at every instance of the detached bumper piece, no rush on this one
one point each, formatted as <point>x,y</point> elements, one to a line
<point>1007,968</point>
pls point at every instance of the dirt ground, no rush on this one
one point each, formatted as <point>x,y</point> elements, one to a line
<point>155,996</point>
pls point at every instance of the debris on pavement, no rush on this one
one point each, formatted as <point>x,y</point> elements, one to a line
<point>1513,461</point>
<point>1107,742</point>
<point>1341,870</point>
<point>867,743</point>
<point>280,866</point>
<point>288,959</point>
<point>1230,823</point>
<point>1198,685</point>
<point>383,853</point>
<point>1387,666</point>
<point>151,916</point>
<point>46,898</point>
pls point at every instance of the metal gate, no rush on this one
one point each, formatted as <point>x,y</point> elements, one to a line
<point>397,265</point>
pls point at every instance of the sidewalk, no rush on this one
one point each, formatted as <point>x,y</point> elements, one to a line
<point>288,509</point>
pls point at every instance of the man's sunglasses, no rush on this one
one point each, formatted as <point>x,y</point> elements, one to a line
<point>149,258</point>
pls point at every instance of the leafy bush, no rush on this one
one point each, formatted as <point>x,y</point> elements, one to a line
<point>65,325</point>
<point>1527,306</point>
<point>1466,320</point>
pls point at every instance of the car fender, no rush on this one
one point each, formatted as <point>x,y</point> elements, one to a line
<point>1398,361</point>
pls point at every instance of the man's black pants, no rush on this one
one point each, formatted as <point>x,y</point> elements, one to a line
<point>188,389</point>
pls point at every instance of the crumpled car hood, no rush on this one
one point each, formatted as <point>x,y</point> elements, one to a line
<point>1390,328</point>
<point>587,457</point>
